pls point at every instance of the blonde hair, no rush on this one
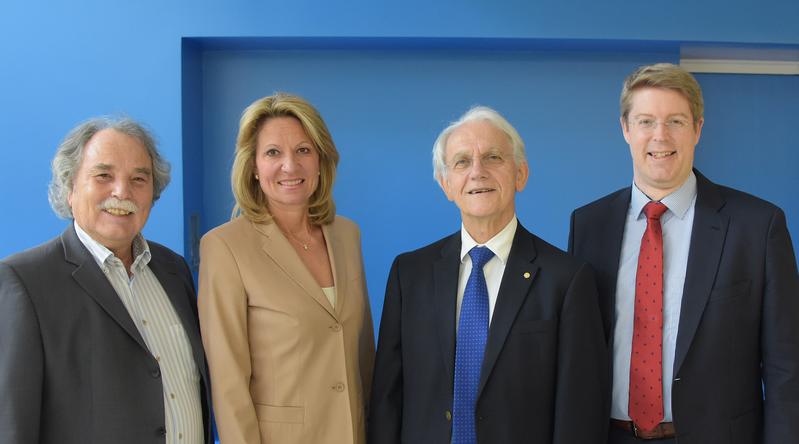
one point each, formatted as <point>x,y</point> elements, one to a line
<point>250,199</point>
<point>663,75</point>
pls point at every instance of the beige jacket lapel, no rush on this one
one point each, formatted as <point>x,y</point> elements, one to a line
<point>338,263</point>
<point>278,248</point>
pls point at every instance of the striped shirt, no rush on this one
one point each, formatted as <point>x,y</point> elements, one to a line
<point>162,331</point>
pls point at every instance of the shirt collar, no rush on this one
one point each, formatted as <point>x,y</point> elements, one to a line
<point>678,202</point>
<point>499,244</point>
<point>101,254</point>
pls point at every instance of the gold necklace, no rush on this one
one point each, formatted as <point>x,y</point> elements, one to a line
<point>305,245</point>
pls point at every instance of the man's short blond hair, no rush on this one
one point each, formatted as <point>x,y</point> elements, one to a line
<point>663,75</point>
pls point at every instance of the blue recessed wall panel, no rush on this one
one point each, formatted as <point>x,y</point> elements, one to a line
<point>385,108</point>
<point>749,140</point>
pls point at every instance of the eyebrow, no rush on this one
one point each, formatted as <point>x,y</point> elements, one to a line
<point>101,167</point>
<point>300,144</point>
<point>491,150</point>
<point>461,154</point>
<point>109,167</point>
<point>670,115</point>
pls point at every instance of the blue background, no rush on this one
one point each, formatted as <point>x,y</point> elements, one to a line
<point>386,77</point>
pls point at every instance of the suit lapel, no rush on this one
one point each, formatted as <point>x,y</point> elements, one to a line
<point>707,241</point>
<point>338,264</point>
<point>445,293</point>
<point>96,285</point>
<point>277,247</point>
<point>613,227</point>
<point>611,242</point>
<point>512,292</point>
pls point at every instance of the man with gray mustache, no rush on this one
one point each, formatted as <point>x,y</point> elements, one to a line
<point>99,338</point>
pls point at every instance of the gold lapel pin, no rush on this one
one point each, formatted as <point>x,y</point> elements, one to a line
<point>527,275</point>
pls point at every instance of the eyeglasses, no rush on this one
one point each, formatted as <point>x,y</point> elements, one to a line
<point>648,124</point>
<point>463,163</point>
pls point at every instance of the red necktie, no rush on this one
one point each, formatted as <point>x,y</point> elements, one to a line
<point>646,360</point>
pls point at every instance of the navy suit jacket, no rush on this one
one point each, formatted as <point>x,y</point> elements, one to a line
<point>738,333</point>
<point>542,376</point>
<point>73,366</point>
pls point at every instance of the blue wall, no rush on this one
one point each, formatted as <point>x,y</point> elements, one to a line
<point>385,108</point>
<point>385,105</point>
<point>749,140</point>
<point>65,61</point>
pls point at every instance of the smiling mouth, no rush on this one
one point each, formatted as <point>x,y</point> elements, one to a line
<point>662,154</point>
<point>291,183</point>
<point>480,190</point>
<point>117,211</point>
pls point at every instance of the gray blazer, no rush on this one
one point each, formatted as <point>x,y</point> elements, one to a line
<point>73,366</point>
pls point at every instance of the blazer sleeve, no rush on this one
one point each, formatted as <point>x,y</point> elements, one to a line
<point>385,411</point>
<point>367,338</point>
<point>222,303</point>
<point>780,336</point>
<point>21,362</point>
<point>582,378</point>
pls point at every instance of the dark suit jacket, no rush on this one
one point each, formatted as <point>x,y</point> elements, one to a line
<point>542,374</point>
<point>739,321</point>
<point>73,366</point>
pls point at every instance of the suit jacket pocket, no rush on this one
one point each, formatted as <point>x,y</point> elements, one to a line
<point>285,414</point>
<point>534,326</point>
<point>726,292</point>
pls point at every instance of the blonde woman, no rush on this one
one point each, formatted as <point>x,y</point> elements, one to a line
<point>285,318</point>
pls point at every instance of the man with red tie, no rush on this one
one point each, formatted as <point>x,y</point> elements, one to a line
<point>697,282</point>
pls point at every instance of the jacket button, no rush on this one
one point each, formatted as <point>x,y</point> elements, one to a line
<point>336,327</point>
<point>155,373</point>
<point>448,415</point>
<point>161,431</point>
<point>339,387</point>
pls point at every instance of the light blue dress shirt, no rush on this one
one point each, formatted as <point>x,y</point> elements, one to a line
<point>677,223</point>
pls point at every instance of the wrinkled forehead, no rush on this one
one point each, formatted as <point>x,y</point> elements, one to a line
<point>110,148</point>
<point>479,136</point>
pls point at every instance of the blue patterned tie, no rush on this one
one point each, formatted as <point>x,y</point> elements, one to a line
<point>469,348</point>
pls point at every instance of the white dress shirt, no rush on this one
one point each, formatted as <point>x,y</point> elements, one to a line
<point>162,331</point>
<point>677,224</point>
<point>493,269</point>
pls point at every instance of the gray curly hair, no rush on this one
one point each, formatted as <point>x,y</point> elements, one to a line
<point>69,155</point>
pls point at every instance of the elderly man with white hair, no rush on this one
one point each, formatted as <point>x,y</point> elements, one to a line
<point>489,335</point>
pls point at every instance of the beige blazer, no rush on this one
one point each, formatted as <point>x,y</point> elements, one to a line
<point>286,367</point>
